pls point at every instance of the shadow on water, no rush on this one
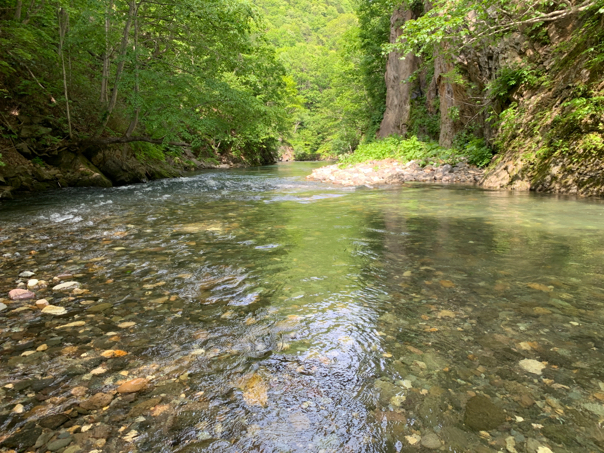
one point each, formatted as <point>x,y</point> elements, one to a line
<point>272,314</point>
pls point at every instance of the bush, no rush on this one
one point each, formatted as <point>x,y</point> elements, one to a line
<point>405,150</point>
<point>469,148</point>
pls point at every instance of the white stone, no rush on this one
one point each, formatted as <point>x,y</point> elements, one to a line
<point>532,366</point>
<point>2,307</point>
<point>26,274</point>
<point>67,286</point>
<point>32,283</point>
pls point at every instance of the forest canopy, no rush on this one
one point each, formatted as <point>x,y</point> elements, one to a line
<point>193,72</point>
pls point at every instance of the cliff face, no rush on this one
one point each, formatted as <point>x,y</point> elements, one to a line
<point>537,97</point>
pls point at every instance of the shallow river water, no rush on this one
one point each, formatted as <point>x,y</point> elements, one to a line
<point>259,312</point>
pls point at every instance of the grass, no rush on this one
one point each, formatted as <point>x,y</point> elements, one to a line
<point>424,153</point>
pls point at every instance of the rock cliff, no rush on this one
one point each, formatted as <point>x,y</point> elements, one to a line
<point>536,96</point>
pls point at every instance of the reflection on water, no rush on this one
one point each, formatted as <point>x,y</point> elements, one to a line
<point>271,314</point>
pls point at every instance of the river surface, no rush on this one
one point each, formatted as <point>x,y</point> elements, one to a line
<point>266,313</point>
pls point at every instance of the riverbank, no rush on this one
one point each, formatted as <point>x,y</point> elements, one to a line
<point>107,166</point>
<point>394,172</point>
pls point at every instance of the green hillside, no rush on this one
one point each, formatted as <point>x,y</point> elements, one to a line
<point>319,45</point>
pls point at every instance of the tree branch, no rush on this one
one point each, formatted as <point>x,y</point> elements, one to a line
<point>121,140</point>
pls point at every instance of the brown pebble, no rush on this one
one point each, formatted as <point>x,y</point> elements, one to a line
<point>97,401</point>
<point>135,385</point>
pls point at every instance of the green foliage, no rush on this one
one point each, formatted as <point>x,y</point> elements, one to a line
<point>333,58</point>
<point>403,149</point>
<point>423,123</point>
<point>148,151</point>
<point>475,149</point>
<point>190,71</point>
<point>510,78</point>
<point>467,147</point>
<point>38,161</point>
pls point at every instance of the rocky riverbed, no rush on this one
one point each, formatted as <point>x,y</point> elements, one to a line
<point>245,311</point>
<point>393,172</point>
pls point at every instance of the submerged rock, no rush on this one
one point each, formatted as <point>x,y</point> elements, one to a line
<point>482,415</point>
<point>21,294</point>
<point>135,385</point>
<point>53,310</point>
<point>67,286</point>
<point>532,366</point>
<point>431,441</point>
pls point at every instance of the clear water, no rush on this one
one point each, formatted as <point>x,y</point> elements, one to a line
<point>274,314</point>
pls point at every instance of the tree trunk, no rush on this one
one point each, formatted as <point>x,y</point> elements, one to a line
<point>120,66</point>
<point>63,18</point>
<point>134,121</point>
<point>106,63</point>
<point>18,9</point>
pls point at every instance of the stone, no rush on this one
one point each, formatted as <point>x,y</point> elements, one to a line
<point>41,303</point>
<point>431,441</point>
<point>44,438</point>
<point>32,283</point>
<point>531,366</point>
<point>79,391</point>
<point>145,406</point>
<point>59,443</point>
<point>67,286</point>
<point>2,307</point>
<point>386,391</point>
<point>126,325</point>
<point>53,421</point>
<point>21,294</point>
<point>97,401</point>
<point>18,409</point>
<point>133,386</point>
<point>54,310</point>
<point>23,439</point>
<point>100,307</point>
<point>482,415</point>
<point>26,274</point>
<point>72,324</point>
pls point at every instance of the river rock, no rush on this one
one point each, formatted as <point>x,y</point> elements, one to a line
<point>2,307</point>
<point>32,283</point>
<point>23,439</point>
<point>53,421</point>
<point>532,366</point>
<point>97,401</point>
<point>67,286</point>
<point>26,274</point>
<point>135,385</point>
<point>431,441</point>
<point>482,415</point>
<point>54,310</point>
<point>42,303</point>
<point>59,443</point>
<point>21,294</point>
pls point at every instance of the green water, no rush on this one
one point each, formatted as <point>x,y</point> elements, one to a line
<point>272,314</point>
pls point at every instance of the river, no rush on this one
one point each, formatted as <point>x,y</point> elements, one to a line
<point>260,312</point>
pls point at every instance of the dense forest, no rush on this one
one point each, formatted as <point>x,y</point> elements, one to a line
<point>112,92</point>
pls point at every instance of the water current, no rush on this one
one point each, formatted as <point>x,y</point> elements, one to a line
<point>259,312</point>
